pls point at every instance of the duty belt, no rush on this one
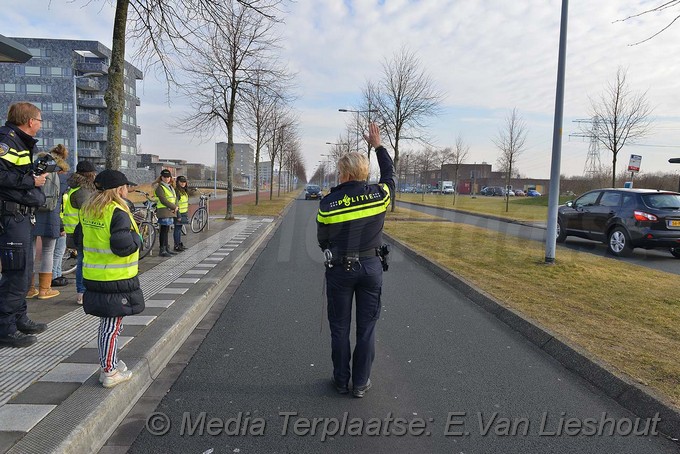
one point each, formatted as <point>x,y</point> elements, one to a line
<point>8,207</point>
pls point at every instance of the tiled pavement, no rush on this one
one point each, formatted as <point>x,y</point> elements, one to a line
<point>56,371</point>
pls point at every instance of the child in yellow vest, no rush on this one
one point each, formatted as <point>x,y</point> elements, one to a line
<point>110,243</point>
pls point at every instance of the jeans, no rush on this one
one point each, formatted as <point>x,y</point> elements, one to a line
<point>80,287</point>
<point>59,250</point>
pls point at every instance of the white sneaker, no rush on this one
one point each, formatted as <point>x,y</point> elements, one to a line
<point>116,377</point>
<point>121,367</point>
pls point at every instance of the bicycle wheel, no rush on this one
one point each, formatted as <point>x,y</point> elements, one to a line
<point>69,261</point>
<point>148,234</point>
<point>199,220</point>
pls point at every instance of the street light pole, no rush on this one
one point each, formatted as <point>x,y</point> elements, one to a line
<point>675,161</point>
<point>74,148</point>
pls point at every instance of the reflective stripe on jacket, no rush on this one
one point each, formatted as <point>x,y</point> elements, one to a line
<point>99,262</point>
<point>69,214</point>
<point>356,207</point>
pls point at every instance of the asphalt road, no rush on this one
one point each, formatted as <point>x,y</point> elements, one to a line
<point>448,377</point>
<point>658,259</point>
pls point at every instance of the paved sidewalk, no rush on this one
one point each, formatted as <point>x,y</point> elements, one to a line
<point>50,398</point>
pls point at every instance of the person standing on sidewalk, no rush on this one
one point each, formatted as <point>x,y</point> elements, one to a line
<point>81,184</point>
<point>349,225</point>
<point>181,189</point>
<point>58,280</point>
<point>167,210</point>
<point>49,228</point>
<point>20,195</point>
<point>110,241</point>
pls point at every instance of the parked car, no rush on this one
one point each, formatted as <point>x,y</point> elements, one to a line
<point>533,193</point>
<point>624,219</point>
<point>498,191</point>
<point>486,191</point>
<point>312,191</point>
<point>519,192</point>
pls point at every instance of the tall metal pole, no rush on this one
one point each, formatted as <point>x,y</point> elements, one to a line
<point>74,148</point>
<point>554,194</point>
<point>215,180</point>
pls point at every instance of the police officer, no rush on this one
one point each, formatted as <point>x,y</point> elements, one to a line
<point>20,194</point>
<point>349,225</point>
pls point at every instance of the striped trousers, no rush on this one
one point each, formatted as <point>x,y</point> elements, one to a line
<point>109,330</point>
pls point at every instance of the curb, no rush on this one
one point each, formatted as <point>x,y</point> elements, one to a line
<point>636,398</point>
<point>84,421</point>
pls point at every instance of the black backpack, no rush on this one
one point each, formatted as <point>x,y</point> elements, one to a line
<point>52,191</point>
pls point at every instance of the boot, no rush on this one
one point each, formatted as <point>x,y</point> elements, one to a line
<point>178,248</point>
<point>164,252</point>
<point>167,249</point>
<point>32,291</point>
<point>184,248</point>
<point>45,286</point>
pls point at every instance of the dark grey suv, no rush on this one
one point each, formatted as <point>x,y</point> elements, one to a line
<point>624,219</point>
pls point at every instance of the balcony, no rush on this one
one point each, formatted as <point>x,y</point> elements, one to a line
<point>88,84</point>
<point>90,153</point>
<point>94,103</point>
<point>137,101</point>
<point>138,130</point>
<point>92,67</point>
<point>92,136</point>
<point>88,119</point>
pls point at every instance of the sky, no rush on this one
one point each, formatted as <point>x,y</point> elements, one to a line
<point>486,56</point>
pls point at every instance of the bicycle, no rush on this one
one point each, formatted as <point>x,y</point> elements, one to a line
<point>147,222</point>
<point>69,261</point>
<point>200,217</point>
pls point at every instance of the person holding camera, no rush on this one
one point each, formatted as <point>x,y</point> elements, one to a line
<point>20,195</point>
<point>349,229</point>
<point>182,191</point>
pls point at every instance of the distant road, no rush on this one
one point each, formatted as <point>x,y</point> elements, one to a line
<point>658,259</point>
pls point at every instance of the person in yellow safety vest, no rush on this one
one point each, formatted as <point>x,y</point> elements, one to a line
<point>167,210</point>
<point>82,187</point>
<point>110,243</point>
<point>181,189</point>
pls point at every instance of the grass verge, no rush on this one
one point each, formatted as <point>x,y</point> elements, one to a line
<point>528,209</point>
<point>625,315</point>
<point>266,207</point>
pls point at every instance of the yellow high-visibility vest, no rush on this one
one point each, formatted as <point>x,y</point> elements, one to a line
<point>183,203</point>
<point>169,194</point>
<point>353,208</point>
<point>99,262</point>
<point>69,214</point>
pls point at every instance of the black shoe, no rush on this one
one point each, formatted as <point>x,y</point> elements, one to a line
<point>17,339</point>
<point>341,389</point>
<point>178,248</point>
<point>360,391</point>
<point>165,253</point>
<point>184,248</point>
<point>60,281</point>
<point>169,251</point>
<point>31,327</point>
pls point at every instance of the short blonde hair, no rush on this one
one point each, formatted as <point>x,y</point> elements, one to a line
<point>19,113</point>
<point>353,166</point>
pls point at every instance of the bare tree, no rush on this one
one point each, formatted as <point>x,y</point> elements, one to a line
<point>441,157</point>
<point>260,105</point>
<point>406,97</point>
<point>424,163</point>
<point>236,54</point>
<point>165,32</point>
<point>657,9</point>
<point>510,142</point>
<point>620,116</point>
<point>458,157</point>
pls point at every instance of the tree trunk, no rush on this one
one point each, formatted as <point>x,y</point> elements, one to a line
<point>115,92</point>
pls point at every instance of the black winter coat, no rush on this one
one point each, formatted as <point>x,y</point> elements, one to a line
<point>121,297</point>
<point>16,182</point>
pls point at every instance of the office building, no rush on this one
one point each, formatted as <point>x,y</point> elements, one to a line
<point>244,164</point>
<point>57,69</point>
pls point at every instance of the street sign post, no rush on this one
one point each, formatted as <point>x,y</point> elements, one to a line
<point>633,166</point>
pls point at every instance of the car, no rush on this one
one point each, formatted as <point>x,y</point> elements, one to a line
<point>486,191</point>
<point>313,191</point>
<point>519,192</point>
<point>533,193</point>
<point>624,219</point>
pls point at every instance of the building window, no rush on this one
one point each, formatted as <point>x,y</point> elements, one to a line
<point>38,52</point>
<point>35,89</point>
<point>28,71</point>
<point>8,88</point>
<point>124,164</point>
<point>57,72</point>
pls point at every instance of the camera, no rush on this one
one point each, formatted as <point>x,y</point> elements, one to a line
<point>45,164</point>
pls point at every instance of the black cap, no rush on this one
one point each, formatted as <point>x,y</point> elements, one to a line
<point>166,173</point>
<point>109,179</point>
<point>182,178</point>
<point>85,166</point>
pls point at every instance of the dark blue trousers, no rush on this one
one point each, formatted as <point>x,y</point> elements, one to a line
<point>14,283</point>
<point>365,284</point>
